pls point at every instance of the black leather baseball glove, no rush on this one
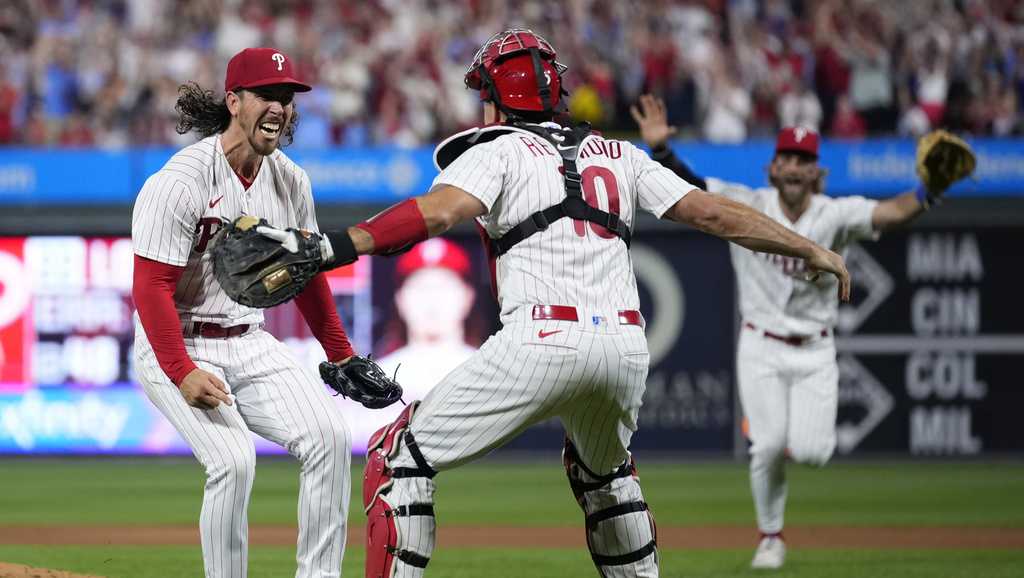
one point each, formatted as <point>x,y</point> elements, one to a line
<point>260,266</point>
<point>362,380</point>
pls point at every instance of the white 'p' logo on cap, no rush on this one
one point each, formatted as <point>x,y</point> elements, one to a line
<point>798,134</point>
<point>279,59</point>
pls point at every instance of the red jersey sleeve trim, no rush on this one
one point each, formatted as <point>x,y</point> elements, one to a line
<point>153,286</point>
<point>317,307</point>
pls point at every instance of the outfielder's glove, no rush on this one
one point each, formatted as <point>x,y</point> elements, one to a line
<point>361,379</point>
<point>942,159</point>
<point>260,266</point>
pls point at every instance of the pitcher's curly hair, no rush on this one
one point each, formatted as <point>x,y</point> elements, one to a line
<point>201,111</point>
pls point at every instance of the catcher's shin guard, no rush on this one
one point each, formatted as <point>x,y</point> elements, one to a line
<point>621,534</point>
<point>398,502</point>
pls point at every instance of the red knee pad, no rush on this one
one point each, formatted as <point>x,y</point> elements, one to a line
<point>382,537</point>
<point>382,445</point>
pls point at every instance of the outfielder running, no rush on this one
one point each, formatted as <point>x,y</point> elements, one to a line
<point>556,206</point>
<point>786,358</point>
<point>203,359</point>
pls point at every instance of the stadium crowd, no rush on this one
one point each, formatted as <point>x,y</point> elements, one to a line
<point>105,72</point>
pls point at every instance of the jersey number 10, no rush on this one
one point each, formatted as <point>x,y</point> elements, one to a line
<point>611,187</point>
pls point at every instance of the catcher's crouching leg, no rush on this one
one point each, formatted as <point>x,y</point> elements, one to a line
<point>621,534</point>
<point>399,504</point>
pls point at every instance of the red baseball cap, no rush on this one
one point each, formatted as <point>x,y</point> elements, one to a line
<point>254,67</point>
<point>797,139</point>
<point>434,252</point>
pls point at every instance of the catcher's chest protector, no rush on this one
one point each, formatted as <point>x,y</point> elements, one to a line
<point>567,142</point>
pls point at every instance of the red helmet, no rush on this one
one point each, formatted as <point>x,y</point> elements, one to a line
<point>517,71</point>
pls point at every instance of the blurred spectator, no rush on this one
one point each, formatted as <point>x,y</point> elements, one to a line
<point>8,100</point>
<point>846,122</point>
<point>871,81</point>
<point>728,107</point>
<point>800,107</point>
<point>390,72</point>
<point>75,132</point>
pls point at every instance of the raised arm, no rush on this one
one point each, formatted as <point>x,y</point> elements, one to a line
<point>652,119</point>
<point>747,227</point>
<point>942,159</point>
<point>897,211</point>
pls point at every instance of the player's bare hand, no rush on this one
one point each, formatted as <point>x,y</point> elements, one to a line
<point>831,262</point>
<point>204,390</point>
<point>652,120</point>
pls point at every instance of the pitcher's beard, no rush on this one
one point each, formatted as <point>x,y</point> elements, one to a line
<point>792,190</point>
<point>793,193</point>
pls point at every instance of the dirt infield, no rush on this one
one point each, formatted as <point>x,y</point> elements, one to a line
<point>22,571</point>
<point>686,538</point>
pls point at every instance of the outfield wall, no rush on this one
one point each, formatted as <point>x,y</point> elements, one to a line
<point>928,349</point>
<point>874,168</point>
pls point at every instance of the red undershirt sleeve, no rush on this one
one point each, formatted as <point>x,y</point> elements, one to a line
<point>317,307</point>
<point>153,286</point>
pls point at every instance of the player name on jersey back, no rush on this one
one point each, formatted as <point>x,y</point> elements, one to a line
<point>571,262</point>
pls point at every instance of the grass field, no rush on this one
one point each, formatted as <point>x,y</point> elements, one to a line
<point>914,496</point>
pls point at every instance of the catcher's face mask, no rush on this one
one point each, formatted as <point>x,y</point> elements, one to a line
<point>517,71</point>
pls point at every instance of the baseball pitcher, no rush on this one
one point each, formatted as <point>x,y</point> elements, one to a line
<point>203,359</point>
<point>556,207</point>
<point>786,358</point>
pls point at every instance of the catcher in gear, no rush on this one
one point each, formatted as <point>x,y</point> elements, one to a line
<point>572,347</point>
<point>786,360</point>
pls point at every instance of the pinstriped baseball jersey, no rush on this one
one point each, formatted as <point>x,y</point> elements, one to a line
<point>789,393</point>
<point>183,205</point>
<point>773,291</point>
<point>573,262</point>
<point>589,372</point>
<point>176,213</point>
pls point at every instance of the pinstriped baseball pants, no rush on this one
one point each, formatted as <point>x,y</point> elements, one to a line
<point>591,374</point>
<point>790,396</point>
<point>275,397</point>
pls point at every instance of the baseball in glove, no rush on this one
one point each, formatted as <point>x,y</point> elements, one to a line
<point>942,159</point>
<point>361,379</point>
<point>260,266</point>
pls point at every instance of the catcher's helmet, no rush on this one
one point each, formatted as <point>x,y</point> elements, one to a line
<point>517,71</point>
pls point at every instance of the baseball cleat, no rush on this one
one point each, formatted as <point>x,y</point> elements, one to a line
<point>770,554</point>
